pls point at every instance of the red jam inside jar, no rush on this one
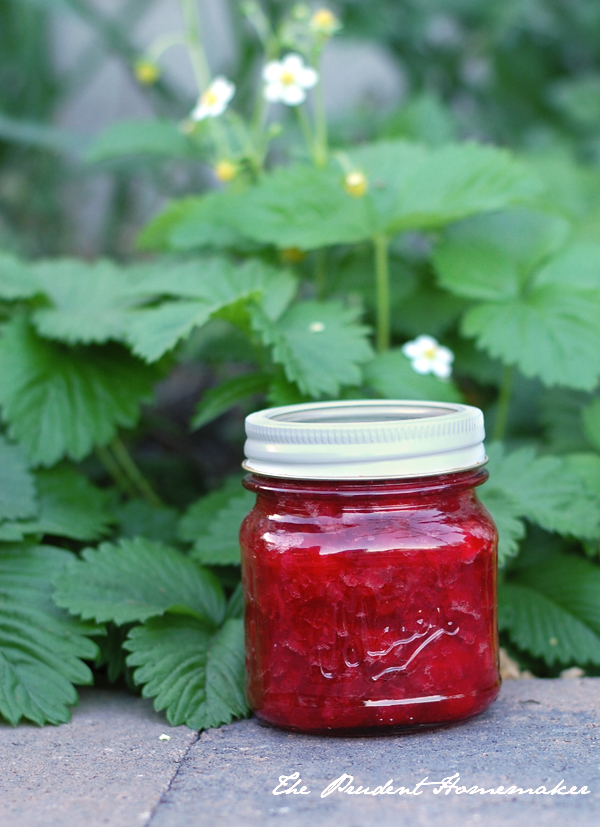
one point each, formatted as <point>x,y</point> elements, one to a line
<point>369,603</point>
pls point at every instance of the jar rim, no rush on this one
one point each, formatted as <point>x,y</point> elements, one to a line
<point>364,439</point>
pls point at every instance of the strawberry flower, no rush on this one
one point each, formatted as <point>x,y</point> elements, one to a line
<point>427,356</point>
<point>287,80</point>
<point>214,100</point>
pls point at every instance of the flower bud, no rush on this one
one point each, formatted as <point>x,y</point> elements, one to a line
<point>225,171</point>
<point>146,71</point>
<point>292,255</point>
<point>356,184</point>
<point>324,22</point>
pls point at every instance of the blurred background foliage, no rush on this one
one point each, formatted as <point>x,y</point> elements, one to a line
<point>523,74</point>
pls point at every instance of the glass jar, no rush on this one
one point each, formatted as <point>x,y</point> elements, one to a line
<point>370,596</point>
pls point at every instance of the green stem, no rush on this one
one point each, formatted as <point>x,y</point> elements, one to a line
<point>306,130</point>
<point>220,138</point>
<point>133,473</point>
<point>258,127</point>
<point>245,140</point>
<point>321,150</point>
<point>109,463</point>
<point>193,39</point>
<point>382,279</point>
<point>159,46</point>
<point>503,402</point>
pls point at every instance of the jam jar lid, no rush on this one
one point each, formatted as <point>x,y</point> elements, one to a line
<point>364,439</point>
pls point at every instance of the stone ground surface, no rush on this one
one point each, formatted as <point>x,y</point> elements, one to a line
<point>109,767</point>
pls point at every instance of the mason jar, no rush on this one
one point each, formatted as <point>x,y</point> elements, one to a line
<point>369,566</point>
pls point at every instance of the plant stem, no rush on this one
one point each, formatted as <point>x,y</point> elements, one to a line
<point>110,464</point>
<point>306,130</point>
<point>382,279</point>
<point>503,402</point>
<point>133,473</point>
<point>193,39</point>
<point>159,46</point>
<point>321,142</point>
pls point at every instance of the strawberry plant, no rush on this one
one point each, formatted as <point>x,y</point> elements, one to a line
<point>312,270</point>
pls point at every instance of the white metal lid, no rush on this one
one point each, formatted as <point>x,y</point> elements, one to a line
<point>364,439</point>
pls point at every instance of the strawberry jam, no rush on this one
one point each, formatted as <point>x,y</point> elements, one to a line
<point>369,604</point>
<point>369,566</point>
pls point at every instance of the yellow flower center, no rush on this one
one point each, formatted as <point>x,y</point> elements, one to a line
<point>355,184</point>
<point>430,352</point>
<point>225,171</point>
<point>287,78</point>
<point>210,98</point>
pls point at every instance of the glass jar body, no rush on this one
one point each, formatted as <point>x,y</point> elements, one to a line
<point>369,604</point>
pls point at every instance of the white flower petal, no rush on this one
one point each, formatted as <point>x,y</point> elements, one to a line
<point>293,95</point>
<point>421,365</point>
<point>273,92</point>
<point>441,369</point>
<point>444,354</point>
<point>293,64</point>
<point>272,71</point>
<point>411,349</point>
<point>308,77</point>
<point>426,342</point>
<point>199,112</point>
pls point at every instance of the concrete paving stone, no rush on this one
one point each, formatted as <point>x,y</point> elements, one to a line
<point>108,767</point>
<point>538,733</point>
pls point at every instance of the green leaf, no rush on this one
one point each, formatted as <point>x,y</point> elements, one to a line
<point>206,289</point>
<point>61,401</point>
<point>39,135</point>
<point>297,206</point>
<point>137,518</point>
<point>225,395</point>
<point>539,313</point>
<point>219,544</point>
<point>89,302</point>
<point>319,345</point>
<point>197,677</point>
<point>571,582</point>
<point>560,414</point>
<point>156,235</point>
<point>539,625</point>
<point>17,488</point>
<point>414,188</point>
<point>591,422</point>
<point>206,223</point>
<point>213,523</point>
<point>545,491</point>
<point>579,99</point>
<point>70,506</point>
<point>41,648</point>
<point>585,466</point>
<point>505,512</point>
<point>199,516</point>
<point>155,331</point>
<point>410,187</point>
<point>391,376</point>
<point>126,138</point>
<point>17,280</point>
<point>137,579</point>
<point>491,256</point>
<point>235,604</point>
